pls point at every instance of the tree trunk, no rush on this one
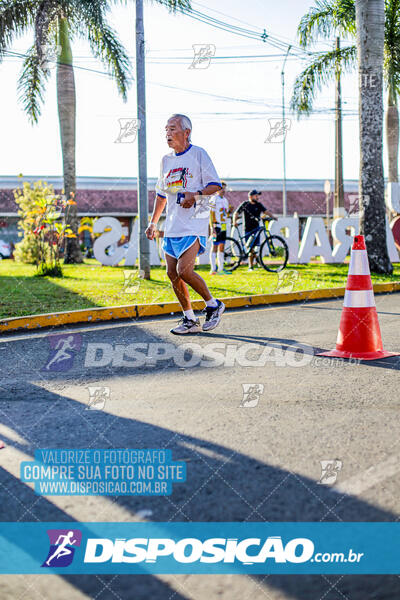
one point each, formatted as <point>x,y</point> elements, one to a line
<point>392,137</point>
<point>370,20</point>
<point>66,101</point>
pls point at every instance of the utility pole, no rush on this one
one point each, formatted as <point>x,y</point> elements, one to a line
<point>284,200</point>
<point>142,196</point>
<point>327,190</point>
<point>338,208</point>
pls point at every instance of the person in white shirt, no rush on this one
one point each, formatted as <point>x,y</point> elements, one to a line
<point>186,175</point>
<point>218,221</point>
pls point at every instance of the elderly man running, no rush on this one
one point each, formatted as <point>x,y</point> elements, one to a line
<point>186,174</point>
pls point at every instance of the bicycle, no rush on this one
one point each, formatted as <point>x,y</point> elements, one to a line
<point>272,255</point>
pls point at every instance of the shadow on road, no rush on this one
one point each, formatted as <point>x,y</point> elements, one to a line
<point>392,362</point>
<point>222,485</point>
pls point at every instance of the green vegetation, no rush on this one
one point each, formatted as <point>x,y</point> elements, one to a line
<point>43,234</point>
<point>90,285</point>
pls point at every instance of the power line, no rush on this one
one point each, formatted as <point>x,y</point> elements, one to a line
<point>223,14</point>
<point>56,62</point>
<point>253,101</point>
<point>250,34</point>
<point>290,41</point>
<point>229,28</point>
<point>166,59</point>
<point>254,34</point>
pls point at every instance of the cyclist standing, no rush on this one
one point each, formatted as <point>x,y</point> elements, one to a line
<point>252,210</point>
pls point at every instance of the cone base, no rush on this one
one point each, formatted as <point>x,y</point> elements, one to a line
<point>363,355</point>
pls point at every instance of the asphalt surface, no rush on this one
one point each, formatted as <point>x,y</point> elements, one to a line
<point>249,457</point>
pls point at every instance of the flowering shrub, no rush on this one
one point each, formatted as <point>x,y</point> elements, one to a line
<point>40,211</point>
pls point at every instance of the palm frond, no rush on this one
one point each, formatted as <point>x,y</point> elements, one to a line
<point>95,9</point>
<point>345,17</point>
<point>106,46</point>
<point>103,41</point>
<point>317,74</point>
<point>31,85</point>
<point>318,22</point>
<point>16,16</point>
<point>175,5</point>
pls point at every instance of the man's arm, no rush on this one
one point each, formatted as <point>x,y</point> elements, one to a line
<point>236,214</point>
<point>267,213</point>
<point>159,206</point>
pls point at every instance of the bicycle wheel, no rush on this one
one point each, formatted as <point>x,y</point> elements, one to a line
<point>232,254</point>
<point>273,254</point>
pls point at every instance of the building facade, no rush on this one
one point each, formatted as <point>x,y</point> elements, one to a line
<point>117,197</point>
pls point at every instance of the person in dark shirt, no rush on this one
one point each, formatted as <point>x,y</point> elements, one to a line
<point>252,210</point>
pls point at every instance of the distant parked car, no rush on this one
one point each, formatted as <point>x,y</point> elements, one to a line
<point>5,249</point>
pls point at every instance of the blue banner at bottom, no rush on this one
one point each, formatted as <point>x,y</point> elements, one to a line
<point>203,548</point>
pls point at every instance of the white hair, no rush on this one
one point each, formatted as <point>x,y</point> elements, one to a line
<point>185,122</point>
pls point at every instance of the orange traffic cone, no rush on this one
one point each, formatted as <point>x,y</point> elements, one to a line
<point>359,334</point>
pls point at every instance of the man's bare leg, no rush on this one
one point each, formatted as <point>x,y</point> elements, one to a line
<point>251,259</point>
<point>179,286</point>
<point>186,272</point>
<point>181,273</point>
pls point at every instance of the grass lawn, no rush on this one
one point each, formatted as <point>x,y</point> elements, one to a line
<point>91,284</point>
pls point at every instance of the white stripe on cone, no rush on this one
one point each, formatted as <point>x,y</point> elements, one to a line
<point>359,298</point>
<point>359,263</point>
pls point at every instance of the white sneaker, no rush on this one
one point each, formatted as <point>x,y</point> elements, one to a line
<point>213,315</point>
<point>186,325</point>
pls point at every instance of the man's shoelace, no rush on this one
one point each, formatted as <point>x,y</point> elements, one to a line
<point>185,321</point>
<point>209,310</point>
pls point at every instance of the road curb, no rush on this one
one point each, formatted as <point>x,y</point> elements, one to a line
<point>135,311</point>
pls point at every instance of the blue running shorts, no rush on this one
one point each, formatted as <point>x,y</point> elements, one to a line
<point>176,246</point>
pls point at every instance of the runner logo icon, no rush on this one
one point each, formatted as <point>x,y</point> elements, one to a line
<point>62,547</point>
<point>62,351</point>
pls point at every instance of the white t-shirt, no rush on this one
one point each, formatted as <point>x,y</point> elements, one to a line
<point>221,211</point>
<point>190,171</point>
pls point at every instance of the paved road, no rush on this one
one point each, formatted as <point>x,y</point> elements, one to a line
<point>249,457</point>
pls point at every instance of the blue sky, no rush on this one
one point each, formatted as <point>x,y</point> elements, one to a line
<point>233,129</point>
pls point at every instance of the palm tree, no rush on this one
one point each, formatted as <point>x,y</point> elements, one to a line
<point>56,23</point>
<point>338,17</point>
<point>370,20</point>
